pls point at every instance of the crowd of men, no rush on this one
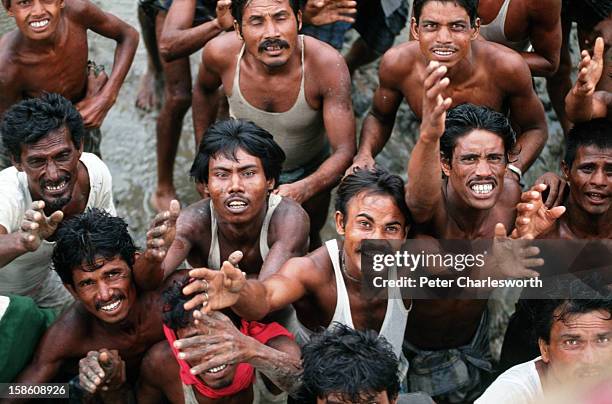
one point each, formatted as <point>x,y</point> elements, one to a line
<point>236,298</point>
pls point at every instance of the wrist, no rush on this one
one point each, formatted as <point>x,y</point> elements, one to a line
<point>516,172</point>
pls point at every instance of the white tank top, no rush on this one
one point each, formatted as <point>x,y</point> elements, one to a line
<point>495,31</point>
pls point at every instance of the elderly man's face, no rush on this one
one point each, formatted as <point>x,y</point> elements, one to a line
<point>579,347</point>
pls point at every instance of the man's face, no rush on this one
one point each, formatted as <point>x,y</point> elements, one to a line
<point>444,32</point>
<point>580,347</point>
<point>590,179</point>
<point>105,289</point>
<point>476,172</point>
<point>334,398</point>
<point>238,189</point>
<point>36,19</point>
<point>51,165</point>
<point>270,29</point>
<point>216,378</point>
<point>369,217</point>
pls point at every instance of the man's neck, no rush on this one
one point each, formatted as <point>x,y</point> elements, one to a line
<point>469,220</point>
<point>245,233</point>
<point>585,225</point>
<point>463,70</point>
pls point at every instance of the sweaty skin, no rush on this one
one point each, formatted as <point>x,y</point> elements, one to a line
<point>480,72</point>
<point>270,81</point>
<point>55,59</point>
<point>539,21</point>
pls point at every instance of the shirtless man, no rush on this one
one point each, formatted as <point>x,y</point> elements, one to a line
<point>471,145</point>
<point>587,167</point>
<point>295,87</point>
<point>326,285</point>
<point>584,102</point>
<point>113,322</point>
<point>48,53</point>
<point>180,28</point>
<point>214,349</point>
<point>480,72</point>
<point>520,23</point>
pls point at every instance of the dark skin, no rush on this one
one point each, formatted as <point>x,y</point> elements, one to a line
<point>279,358</point>
<point>54,58</point>
<point>271,83</point>
<point>309,282</point>
<point>480,73</point>
<point>239,230</point>
<point>131,331</point>
<point>540,21</point>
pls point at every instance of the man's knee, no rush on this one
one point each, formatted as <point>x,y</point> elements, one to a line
<point>178,98</point>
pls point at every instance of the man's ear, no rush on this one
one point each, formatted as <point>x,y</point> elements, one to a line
<point>237,30</point>
<point>414,31</point>
<point>445,165</point>
<point>476,29</point>
<point>339,219</point>
<point>565,169</point>
<point>271,184</point>
<point>544,352</point>
<point>299,19</point>
<point>16,164</point>
<point>62,3</point>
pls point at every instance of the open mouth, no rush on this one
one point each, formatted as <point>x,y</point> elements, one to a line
<point>216,369</point>
<point>596,197</point>
<point>111,307</point>
<point>39,24</point>
<point>237,205</point>
<point>482,190</point>
<point>443,53</point>
<point>57,187</point>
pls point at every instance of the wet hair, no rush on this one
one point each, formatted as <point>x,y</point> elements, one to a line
<point>90,235</point>
<point>377,181</point>
<point>353,364</point>
<point>174,315</point>
<point>226,137</point>
<point>597,132</point>
<point>470,6</point>
<point>32,119</point>
<point>238,7</point>
<point>463,119</point>
<point>582,299</point>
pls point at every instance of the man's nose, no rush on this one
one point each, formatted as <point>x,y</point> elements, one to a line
<point>105,292</point>
<point>483,169</point>
<point>53,172</point>
<point>236,183</point>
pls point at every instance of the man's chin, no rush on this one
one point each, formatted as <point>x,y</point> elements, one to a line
<point>56,204</point>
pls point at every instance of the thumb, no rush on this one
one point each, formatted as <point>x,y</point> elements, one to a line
<point>235,258</point>
<point>105,359</point>
<point>500,231</point>
<point>598,50</point>
<point>56,217</point>
<point>556,212</point>
<point>175,208</point>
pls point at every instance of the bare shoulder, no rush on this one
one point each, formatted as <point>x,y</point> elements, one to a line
<point>194,219</point>
<point>321,55</point>
<point>290,212</point>
<point>501,60</point>
<point>80,11</point>
<point>221,51</point>
<point>63,339</point>
<point>399,61</point>
<point>8,60</point>
<point>544,10</point>
<point>313,270</point>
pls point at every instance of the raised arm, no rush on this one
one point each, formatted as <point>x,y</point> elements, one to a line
<point>334,82</point>
<point>583,103</point>
<point>545,37</point>
<point>526,112</point>
<point>205,94</point>
<point>379,123</point>
<point>424,190</point>
<point>179,39</point>
<point>94,109</point>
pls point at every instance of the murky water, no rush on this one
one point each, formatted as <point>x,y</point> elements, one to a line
<point>128,144</point>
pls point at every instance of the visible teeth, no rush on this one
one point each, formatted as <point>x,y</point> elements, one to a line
<point>482,188</point>
<point>443,53</point>
<point>237,204</point>
<point>39,24</point>
<point>111,306</point>
<point>56,187</point>
<point>217,369</point>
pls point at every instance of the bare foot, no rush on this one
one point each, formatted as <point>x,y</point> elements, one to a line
<point>161,199</point>
<point>149,92</point>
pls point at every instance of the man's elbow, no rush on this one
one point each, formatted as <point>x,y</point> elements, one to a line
<point>550,68</point>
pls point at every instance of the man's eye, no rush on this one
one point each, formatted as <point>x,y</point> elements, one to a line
<point>249,173</point>
<point>393,229</point>
<point>364,223</point>
<point>220,174</point>
<point>571,342</point>
<point>603,340</point>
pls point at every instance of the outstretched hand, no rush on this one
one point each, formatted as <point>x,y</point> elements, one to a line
<point>162,232</point>
<point>36,227</point>
<point>533,216</point>
<point>101,370</point>
<point>216,290</point>
<point>434,103</point>
<point>590,70</point>
<point>514,258</point>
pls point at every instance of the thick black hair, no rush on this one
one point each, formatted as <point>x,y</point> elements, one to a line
<point>226,137</point>
<point>581,299</point>
<point>32,119</point>
<point>377,181</point>
<point>597,132</point>
<point>470,6</point>
<point>94,233</point>
<point>464,118</point>
<point>238,7</point>
<point>350,363</point>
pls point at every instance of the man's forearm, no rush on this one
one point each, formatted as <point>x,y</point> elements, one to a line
<point>374,135</point>
<point>529,144</point>
<point>124,55</point>
<point>148,273</point>
<point>253,302</point>
<point>11,247</point>
<point>329,173</point>
<point>539,65</point>
<point>281,368</point>
<point>424,179</point>
<point>579,107</point>
<point>204,108</point>
<point>178,43</point>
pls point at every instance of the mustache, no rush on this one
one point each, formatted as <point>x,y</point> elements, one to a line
<point>273,42</point>
<point>44,182</point>
<point>116,296</point>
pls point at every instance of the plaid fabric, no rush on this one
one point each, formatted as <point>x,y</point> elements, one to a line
<point>452,375</point>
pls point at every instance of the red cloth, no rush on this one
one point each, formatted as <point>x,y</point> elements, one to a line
<point>245,373</point>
